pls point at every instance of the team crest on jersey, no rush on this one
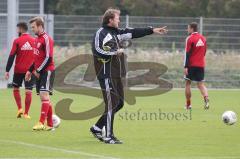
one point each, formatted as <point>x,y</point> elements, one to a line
<point>38,45</point>
<point>36,51</point>
<point>199,43</point>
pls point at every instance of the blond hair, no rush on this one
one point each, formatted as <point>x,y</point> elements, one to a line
<point>109,14</point>
<point>39,21</point>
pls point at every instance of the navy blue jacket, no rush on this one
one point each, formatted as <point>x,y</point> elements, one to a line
<point>105,44</point>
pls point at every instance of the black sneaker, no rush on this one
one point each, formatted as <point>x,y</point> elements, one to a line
<point>97,134</point>
<point>206,104</point>
<point>112,140</point>
<point>115,138</point>
<point>188,107</point>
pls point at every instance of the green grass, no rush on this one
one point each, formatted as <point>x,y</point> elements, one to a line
<point>205,136</point>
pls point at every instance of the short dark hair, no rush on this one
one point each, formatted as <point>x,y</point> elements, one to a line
<point>109,14</point>
<point>194,26</point>
<point>23,25</point>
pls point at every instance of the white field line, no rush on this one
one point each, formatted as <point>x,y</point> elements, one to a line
<point>211,89</point>
<point>188,157</point>
<point>193,88</point>
<point>49,148</point>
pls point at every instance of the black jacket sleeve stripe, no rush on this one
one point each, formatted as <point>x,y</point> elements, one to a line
<point>130,33</point>
<point>98,43</point>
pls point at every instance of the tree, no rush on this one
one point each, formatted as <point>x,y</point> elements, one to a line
<point>175,8</point>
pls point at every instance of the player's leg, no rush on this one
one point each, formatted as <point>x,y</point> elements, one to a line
<point>118,96</point>
<point>203,89</point>
<point>44,96</point>
<point>49,126</point>
<point>46,111</point>
<point>199,74</point>
<point>188,79</point>
<point>106,120</point>
<point>28,96</point>
<point>49,116</point>
<point>204,92</point>
<point>188,94</point>
<point>117,100</point>
<point>17,83</point>
<point>120,93</point>
<point>44,83</point>
<point>50,110</point>
<point>112,102</point>
<point>17,97</point>
<point>28,101</point>
<point>96,129</point>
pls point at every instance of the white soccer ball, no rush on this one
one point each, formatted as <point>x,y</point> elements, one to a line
<point>229,117</point>
<point>56,121</point>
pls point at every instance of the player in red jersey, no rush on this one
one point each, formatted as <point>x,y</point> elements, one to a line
<point>44,70</point>
<point>22,49</point>
<point>194,64</point>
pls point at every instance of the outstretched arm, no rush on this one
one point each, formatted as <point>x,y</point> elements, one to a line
<point>131,33</point>
<point>162,30</point>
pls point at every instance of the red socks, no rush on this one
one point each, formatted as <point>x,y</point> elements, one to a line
<point>28,100</point>
<point>17,96</point>
<point>188,102</point>
<point>49,116</point>
<point>46,113</point>
<point>205,98</point>
<point>44,110</point>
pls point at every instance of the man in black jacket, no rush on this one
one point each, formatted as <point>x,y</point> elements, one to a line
<point>109,62</point>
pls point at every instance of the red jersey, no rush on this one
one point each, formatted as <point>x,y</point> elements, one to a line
<point>44,53</point>
<point>23,48</point>
<point>196,48</point>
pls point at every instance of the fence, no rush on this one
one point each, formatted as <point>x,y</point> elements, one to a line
<point>223,37</point>
<point>24,6</point>
<point>222,34</point>
<point>12,11</point>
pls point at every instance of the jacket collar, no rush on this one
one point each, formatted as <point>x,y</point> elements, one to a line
<point>24,34</point>
<point>109,27</point>
<point>41,34</point>
<point>195,33</point>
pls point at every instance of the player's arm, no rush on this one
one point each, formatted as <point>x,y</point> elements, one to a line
<point>49,55</point>
<point>205,48</point>
<point>188,52</point>
<point>31,69</point>
<point>131,33</point>
<point>29,73</point>
<point>11,58</point>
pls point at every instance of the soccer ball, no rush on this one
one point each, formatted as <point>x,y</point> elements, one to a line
<point>56,121</point>
<point>229,117</point>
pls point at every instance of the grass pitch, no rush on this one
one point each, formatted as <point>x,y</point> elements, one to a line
<point>145,133</point>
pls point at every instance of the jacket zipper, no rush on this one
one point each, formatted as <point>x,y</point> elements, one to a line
<point>104,69</point>
<point>118,57</point>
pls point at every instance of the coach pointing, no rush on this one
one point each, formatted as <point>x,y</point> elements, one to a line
<point>109,65</point>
